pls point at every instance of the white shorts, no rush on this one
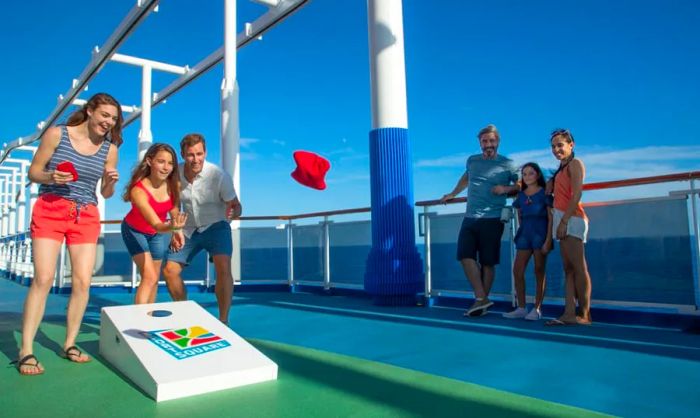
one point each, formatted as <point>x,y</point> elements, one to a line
<point>577,227</point>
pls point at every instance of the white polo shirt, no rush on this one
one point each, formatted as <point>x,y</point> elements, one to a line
<point>204,199</point>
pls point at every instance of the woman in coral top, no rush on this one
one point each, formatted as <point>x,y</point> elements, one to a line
<point>154,192</point>
<point>570,227</point>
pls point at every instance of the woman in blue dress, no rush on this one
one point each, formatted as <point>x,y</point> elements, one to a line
<point>534,237</point>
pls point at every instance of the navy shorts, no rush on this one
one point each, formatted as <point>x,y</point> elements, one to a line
<point>216,240</point>
<point>480,239</point>
<point>137,242</point>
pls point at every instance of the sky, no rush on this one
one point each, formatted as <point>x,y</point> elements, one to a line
<point>621,75</point>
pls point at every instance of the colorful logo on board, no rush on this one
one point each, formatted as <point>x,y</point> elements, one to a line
<point>187,342</point>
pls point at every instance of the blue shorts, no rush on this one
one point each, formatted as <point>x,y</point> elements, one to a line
<point>216,240</point>
<point>531,234</point>
<point>137,242</point>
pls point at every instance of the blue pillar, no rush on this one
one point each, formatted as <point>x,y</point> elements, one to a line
<point>394,273</point>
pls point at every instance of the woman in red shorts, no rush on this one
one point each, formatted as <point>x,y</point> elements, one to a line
<point>68,164</point>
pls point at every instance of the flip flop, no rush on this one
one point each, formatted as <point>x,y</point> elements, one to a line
<point>555,323</point>
<point>581,321</point>
<point>72,353</point>
<point>24,361</point>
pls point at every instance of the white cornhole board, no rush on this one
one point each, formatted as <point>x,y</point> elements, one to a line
<point>186,353</point>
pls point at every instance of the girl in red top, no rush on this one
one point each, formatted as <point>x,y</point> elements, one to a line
<point>570,227</point>
<point>154,192</point>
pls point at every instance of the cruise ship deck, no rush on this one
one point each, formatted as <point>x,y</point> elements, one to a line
<point>361,308</point>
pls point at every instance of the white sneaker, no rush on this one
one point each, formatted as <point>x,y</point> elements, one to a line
<point>518,313</point>
<point>534,315</point>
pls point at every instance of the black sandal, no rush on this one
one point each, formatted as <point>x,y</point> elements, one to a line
<point>24,361</point>
<point>73,352</point>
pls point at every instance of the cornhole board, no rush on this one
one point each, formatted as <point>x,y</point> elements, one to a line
<point>177,349</point>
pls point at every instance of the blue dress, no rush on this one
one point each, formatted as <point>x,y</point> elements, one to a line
<point>533,220</point>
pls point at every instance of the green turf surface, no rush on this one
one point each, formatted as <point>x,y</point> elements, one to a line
<point>311,383</point>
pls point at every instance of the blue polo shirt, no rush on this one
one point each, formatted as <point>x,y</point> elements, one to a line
<point>483,176</point>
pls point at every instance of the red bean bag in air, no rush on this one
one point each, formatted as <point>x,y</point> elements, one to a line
<point>311,169</point>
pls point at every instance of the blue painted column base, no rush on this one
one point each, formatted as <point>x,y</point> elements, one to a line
<point>394,272</point>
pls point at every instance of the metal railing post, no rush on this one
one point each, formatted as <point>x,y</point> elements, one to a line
<point>207,279</point>
<point>134,273</point>
<point>427,243</point>
<point>290,254</point>
<point>512,226</point>
<point>61,270</point>
<point>696,230</point>
<point>326,254</point>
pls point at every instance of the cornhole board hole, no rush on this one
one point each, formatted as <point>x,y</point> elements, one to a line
<point>177,349</point>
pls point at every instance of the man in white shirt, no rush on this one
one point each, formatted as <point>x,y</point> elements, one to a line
<point>209,199</point>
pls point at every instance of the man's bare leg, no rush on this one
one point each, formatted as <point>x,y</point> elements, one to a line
<point>224,285</point>
<point>176,287</point>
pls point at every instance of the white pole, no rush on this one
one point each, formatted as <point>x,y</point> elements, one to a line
<point>9,216</point>
<point>13,205</point>
<point>230,135</point>
<point>387,65</point>
<point>20,202</point>
<point>101,207</point>
<point>145,135</point>
<point>4,201</point>
<point>18,198</point>
<point>33,188</point>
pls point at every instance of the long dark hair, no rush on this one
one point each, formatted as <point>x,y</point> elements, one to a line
<point>143,170</point>
<point>540,176</point>
<point>81,115</point>
<point>569,137</point>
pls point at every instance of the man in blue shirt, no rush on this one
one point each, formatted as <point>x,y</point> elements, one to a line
<point>489,177</point>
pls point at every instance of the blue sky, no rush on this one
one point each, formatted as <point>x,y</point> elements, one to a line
<point>622,75</point>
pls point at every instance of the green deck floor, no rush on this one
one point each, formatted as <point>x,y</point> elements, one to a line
<point>311,383</point>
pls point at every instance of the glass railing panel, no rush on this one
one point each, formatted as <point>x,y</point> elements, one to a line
<point>447,273</point>
<point>308,253</point>
<point>637,251</point>
<point>350,246</point>
<point>263,253</point>
<point>113,262</point>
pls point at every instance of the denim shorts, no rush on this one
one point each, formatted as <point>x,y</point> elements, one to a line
<point>137,242</point>
<point>532,234</point>
<point>216,240</point>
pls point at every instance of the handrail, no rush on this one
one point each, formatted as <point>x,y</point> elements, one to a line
<point>687,176</point>
<point>281,217</point>
<point>690,175</point>
<point>613,184</point>
<point>435,202</point>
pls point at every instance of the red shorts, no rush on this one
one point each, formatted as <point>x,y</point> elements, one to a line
<point>54,217</point>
